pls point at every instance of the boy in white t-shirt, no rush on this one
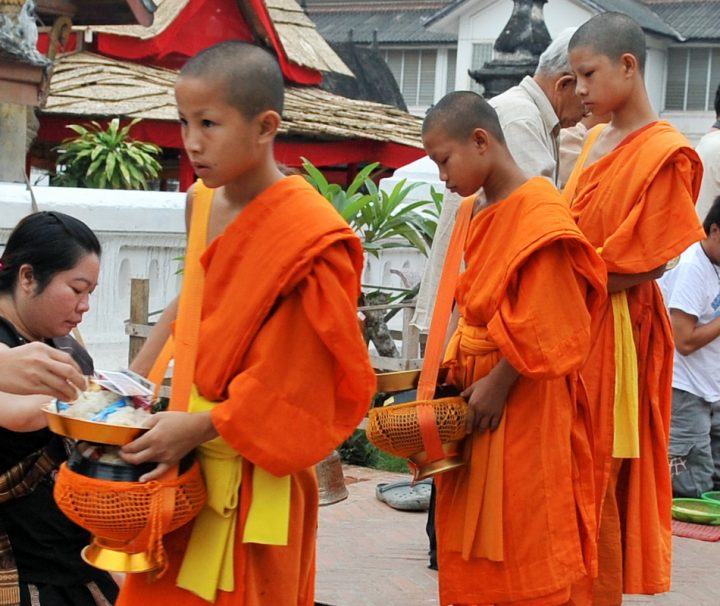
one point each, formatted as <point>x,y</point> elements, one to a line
<point>692,295</point>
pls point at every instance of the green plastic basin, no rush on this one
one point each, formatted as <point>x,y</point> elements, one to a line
<point>713,496</point>
<point>699,511</point>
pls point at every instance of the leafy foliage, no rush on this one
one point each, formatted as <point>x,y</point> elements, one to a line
<point>356,450</point>
<point>106,158</point>
<point>382,219</point>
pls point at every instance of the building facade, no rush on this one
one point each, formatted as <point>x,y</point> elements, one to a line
<point>430,46</point>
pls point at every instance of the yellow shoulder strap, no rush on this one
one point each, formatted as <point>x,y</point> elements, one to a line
<point>568,191</point>
<point>444,301</point>
<point>183,346</point>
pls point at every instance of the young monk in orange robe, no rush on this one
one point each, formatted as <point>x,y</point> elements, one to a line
<point>281,373</point>
<point>634,201</point>
<point>516,523</point>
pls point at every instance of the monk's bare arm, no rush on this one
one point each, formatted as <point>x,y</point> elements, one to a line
<point>145,358</point>
<point>689,335</point>
<point>618,282</point>
<point>487,397</point>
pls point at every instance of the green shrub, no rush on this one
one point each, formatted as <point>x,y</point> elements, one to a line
<point>106,159</point>
<point>382,219</point>
<point>356,450</point>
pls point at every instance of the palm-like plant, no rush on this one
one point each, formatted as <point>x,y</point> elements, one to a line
<point>382,219</point>
<point>106,158</point>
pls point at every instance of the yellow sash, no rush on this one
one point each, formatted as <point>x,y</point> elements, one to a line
<point>208,562</point>
<point>626,438</point>
<point>568,192</point>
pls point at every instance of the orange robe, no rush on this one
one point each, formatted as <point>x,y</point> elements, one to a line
<point>281,351</point>
<point>636,205</point>
<point>522,508</point>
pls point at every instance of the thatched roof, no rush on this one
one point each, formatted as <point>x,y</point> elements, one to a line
<point>300,40</point>
<point>373,79</point>
<point>165,14</point>
<point>90,86</point>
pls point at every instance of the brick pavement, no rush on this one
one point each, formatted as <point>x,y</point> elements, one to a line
<point>372,555</point>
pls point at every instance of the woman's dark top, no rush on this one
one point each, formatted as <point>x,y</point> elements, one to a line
<point>46,545</point>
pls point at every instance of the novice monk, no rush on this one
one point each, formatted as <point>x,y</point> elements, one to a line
<point>634,202</point>
<point>281,374</point>
<point>515,524</point>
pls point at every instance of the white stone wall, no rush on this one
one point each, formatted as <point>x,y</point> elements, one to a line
<point>142,234</point>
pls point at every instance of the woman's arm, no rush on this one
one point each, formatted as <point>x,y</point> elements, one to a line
<point>37,368</point>
<point>22,413</point>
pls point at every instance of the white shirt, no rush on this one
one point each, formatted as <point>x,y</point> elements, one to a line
<point>531,129</point>
<point>693,286</point>
<point>708,148</point>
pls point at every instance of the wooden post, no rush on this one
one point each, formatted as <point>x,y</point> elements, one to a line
<point>139,298</point>
<point>411,336</point>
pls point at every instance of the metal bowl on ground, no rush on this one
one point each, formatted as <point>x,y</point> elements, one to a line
<point>90,431</point>
<point>698,511</point>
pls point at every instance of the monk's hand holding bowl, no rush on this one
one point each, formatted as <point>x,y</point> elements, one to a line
<point>487,397</point>
<point>171,436</point>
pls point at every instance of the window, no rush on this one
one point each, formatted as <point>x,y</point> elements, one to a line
<point>693,75</point>
<point>451,67</point>
<point>481,53</point>
<point>414,71</point>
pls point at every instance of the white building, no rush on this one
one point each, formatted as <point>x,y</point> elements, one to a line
<point>431,49</point>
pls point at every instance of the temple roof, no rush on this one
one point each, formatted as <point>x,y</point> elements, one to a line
<point>89,86</point>
<point>296,33</point>
<point>87,12</point>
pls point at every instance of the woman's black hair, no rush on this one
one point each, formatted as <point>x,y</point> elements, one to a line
<point>48,241</point>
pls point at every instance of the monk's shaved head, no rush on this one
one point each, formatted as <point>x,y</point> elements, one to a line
<point>249,74</point>
<point>458,114</point>
<point>612,35</point>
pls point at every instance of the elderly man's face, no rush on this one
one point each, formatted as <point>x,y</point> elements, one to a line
<point>568,106</point>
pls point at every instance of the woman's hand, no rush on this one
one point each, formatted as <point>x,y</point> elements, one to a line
<point>487,397</point>
<point>171,436</point>
<point>38,369</point>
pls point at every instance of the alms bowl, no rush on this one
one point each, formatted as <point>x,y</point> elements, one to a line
<point>90,431</point>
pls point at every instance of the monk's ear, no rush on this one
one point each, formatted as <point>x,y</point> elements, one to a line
<point>629,63</point>
<point>268,123</point>
<point>481,139</point>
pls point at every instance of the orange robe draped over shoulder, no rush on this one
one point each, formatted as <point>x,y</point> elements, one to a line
<point>281,352</point>
<point>522,508</point>
<point>636,206</point>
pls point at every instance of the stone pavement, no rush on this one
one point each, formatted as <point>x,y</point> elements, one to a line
<point>372,555</point>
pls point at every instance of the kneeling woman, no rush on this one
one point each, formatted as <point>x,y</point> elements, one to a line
<point>48,270</point>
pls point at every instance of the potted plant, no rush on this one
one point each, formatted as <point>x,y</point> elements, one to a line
<point>106,158</point>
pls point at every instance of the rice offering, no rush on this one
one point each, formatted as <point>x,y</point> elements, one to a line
<point>104,406</point>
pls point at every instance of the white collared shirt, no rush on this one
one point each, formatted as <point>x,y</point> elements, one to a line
<point>531,128</point>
